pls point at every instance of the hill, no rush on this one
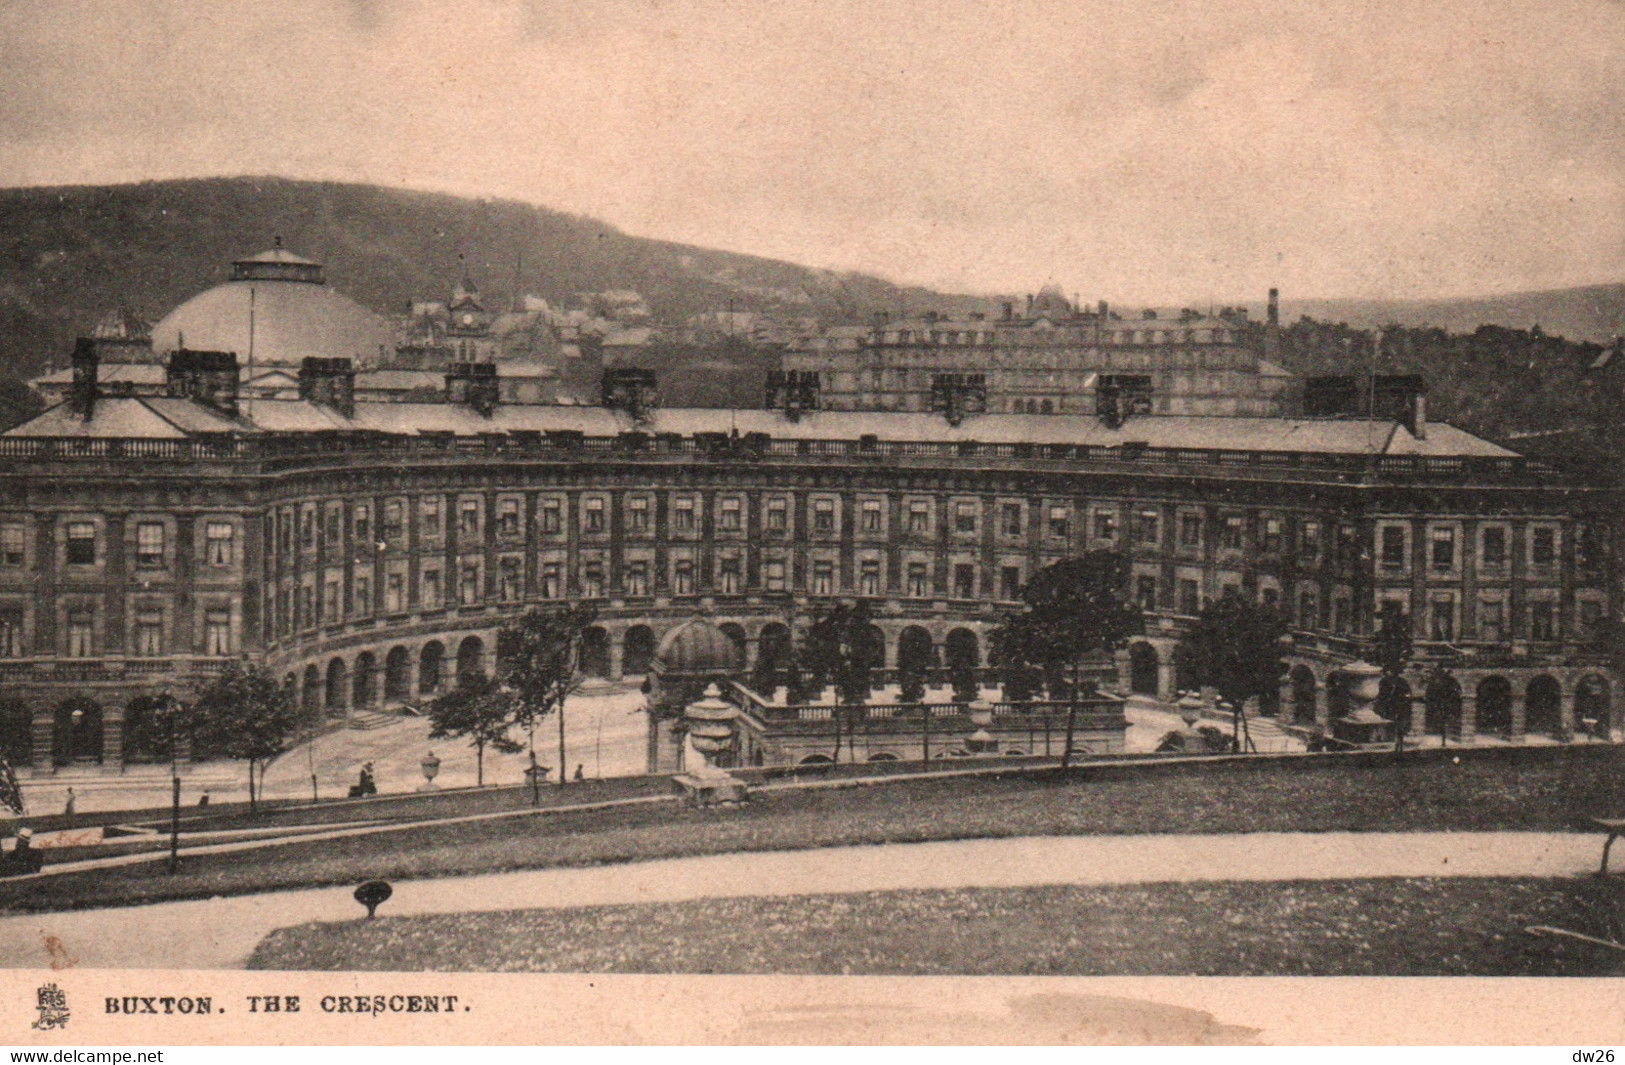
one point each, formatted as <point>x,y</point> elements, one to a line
<point>73,254</point>
<point>1595,313</point>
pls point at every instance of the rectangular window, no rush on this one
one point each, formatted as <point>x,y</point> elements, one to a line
<point>1309,541</point>
<point>552,580</point>
<point>1392,547</point>
<point>1442,619</point>
<point>1492,547</point>
<point>12,549</point>
<point>552,517</point>
<point>1148,528</point>
<point>916,580</point>
<point>1542,546</point>
<point>637,578</point>
<point>964,581</point>
<point>1590,617</point>
<point>919,517</point>
<point>149,545</point>
<point>965,519</point>
<point>330,601</point>
<point>823,578</point>
<point>1231,532</point>
<point>1588,547</point>
<point>637,515</point>
<point>81,636</point>
<point>1060,523</point>
<point>81,543</point>
<point>1190,530</point>
<point>217,543</point>
<point>1145,591</point>
<point>869,577</point>
<point>1105,525</point>
<point>1271,544</point>
<point>429,510</point>
<point>1308,609</point>
<point>773,574</point>
<point>1190,597</point>
<point>1010,583</point>
<point>307,528</point>
<point>431,589</point>
<point>682,516</point>
<point>730,576</point>
<point>1442,550</point>
<point>777,519</point>
<point>217,633</point>
<point>1272,598</point>
<point>1541,620</point>
<point>871,515</point>
<point>1492,621</point>
<point>592,580</point>
<point>332,524</point>
<point>824,517</point>
<point>683,577</point>
<point>507,579</point>
<point>363,595</point>
<point>394,520</point>
<point>394,593</point>
<point>592,516</point>
<point>728,516</point>
<point>361,525</point>
<point>508,518</point>
<point>468,519</point>
<point>468,584</point>
<point>11,634</point>
<point>149,633</point>
<point>1010,522</point>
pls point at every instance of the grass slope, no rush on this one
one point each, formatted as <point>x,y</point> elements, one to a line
<point>1380,927</point>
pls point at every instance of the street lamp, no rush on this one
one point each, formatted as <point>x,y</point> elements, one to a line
<point>167,713</point>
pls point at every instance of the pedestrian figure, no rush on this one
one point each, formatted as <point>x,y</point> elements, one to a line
<point>368,786</point>
<point>67,809</point>
<point>580,775</point>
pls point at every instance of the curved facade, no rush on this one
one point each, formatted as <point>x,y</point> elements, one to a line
<point>369,552</point>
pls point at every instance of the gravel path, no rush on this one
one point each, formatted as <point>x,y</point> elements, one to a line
<point>222,932</point>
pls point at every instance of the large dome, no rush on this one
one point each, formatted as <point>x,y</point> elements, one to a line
<point>294,315</point>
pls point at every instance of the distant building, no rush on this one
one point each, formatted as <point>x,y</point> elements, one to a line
<point>1048,358</point>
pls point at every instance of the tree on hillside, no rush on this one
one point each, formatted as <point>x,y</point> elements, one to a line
<point>480,710</point>
<point>538,661</point>
<point>244,713</point>
<point>1073,607</point>
<point>1235,648</point>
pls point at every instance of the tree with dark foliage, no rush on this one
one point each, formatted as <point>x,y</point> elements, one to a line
<point>479,709</point>
<point>1073,607</point>
<point>1235,648</point>
<point>538,661</point>
<point>244,713</point>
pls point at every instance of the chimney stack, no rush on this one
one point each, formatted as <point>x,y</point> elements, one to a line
<point>329,383</point>
<point>205,377</point>
<point>474,385</point>
<point>86,362</point>
<point>1275,307</point>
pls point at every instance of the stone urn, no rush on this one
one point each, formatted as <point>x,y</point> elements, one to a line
<point>981,741</point>
<point>1362,724</point>
<point>431,769</point>
<point>710,723</point>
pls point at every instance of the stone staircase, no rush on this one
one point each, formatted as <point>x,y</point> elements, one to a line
<point>367,720</point>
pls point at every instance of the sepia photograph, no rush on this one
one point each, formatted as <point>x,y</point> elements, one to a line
<point>672,521</point>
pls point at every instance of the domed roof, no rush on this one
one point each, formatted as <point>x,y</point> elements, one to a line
<point>295,315</point>
<point>697,646</point>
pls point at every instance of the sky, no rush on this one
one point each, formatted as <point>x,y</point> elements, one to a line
<point>1133,150</point>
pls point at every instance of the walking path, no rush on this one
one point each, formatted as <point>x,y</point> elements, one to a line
<point>221,932</point>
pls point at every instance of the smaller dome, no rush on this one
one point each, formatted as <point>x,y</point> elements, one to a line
<point>697,646</point>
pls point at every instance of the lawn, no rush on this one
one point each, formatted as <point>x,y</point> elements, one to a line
<point>1549,789</point>
<point>1392,927</point>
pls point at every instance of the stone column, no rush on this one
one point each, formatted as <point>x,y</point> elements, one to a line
<point>1323,710</point>
<point>1419,719</point>
<point>1167,679</point>
<point>615,649</point>
<point>44,730</point>
<point>1125,671</point>
<point>1467,726</point>
<point>1518,711</point>
<point>113,740</point>
<point>1286,705</point>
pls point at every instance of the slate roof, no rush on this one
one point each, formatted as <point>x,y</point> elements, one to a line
<point>155,416</point>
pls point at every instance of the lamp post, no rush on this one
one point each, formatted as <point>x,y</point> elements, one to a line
<point>169,718</point>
